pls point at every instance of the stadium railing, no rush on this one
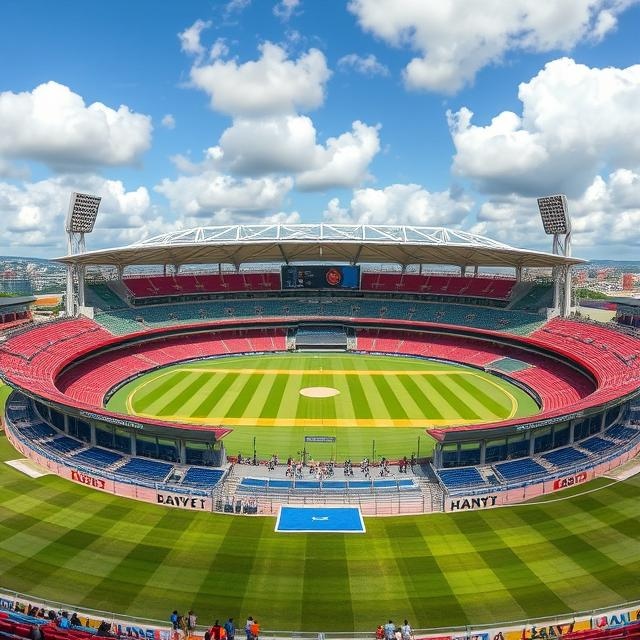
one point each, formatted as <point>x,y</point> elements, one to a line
<point>616,617</point>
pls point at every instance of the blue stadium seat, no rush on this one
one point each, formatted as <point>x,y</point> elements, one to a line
<point>520,469</point>
<point>202,478</point>
<point>565,457</point>
<point>461,478</point>
<point>97,457</point>
<point>619,432</point>
<point>598,445</point>
<point>64,444</point>
<point>145,468</point>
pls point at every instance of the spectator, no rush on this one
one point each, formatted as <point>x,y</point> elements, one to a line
<point>215,630</point>
<point>406,631</point>
<point>247,627</point>
<point>64,621</point>
<point>75,621</point>
<point>104,630</point>
<point>35,633</point>
<point>192,621</point>
<point>255,630</point>
<point>230,628</point>
<point>173,619</point>
<point>389,630</point>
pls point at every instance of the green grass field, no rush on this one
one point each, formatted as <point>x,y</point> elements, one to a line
<point>389,400</point>
<point>67,542</point>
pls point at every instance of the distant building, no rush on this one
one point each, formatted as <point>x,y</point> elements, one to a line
<point>628,282</point>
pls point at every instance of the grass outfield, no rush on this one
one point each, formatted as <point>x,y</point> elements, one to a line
<point>387,399</point>
<point>66,542</point>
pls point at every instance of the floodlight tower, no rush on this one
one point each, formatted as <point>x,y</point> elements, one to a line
<point>81,217</point>
<point>557,223</point>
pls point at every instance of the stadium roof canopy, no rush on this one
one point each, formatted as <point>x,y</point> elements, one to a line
<point>293,243</point>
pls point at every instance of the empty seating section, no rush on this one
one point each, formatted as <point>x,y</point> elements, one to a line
<point>613,354</point>
<point>447,285</point>
<point>620,432</point>
<point>97,457</point>
<point>100,296</point>
<point>464,477</point>
<point>130,320</point>
<point>537,296</point>
<point>193,284</point>
<point>597,445</point>
<point>202,478</point>
<point>14,319</point>
<point>91,380</point>
<point>566,456</point>
<point>327,336</point>
<point>520,469</point>
<point>64,444</point>
<point>27,421</point>
<point>145,468</point>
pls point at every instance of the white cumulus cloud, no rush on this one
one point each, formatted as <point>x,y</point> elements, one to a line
<point>53,125</point>
<point>168,121</point>
<point>401,204</point>
<point>217,196</point>
<point>271,85</point>
<point>289,144</point>
<point>575,121</point>
<point>343,161</point>
<point>35,211</point>
<point>285,9</point>
<point>454,39</point>
<point>605,215</point>
<point>367,65</point>
<point>190,38</point>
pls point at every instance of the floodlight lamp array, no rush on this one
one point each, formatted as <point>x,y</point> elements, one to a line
<point>83,211</point>
<point>555,214</point>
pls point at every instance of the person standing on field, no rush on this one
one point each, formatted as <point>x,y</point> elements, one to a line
<point>406,631</point>
<point>230,628</point>
<point>389,630</point>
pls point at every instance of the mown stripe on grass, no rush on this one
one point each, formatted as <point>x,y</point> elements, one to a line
<point>229,576</point>
<point>458,407</point>
<point>358,397</point>
<point>491,404</point>
<point>211,399</point>
<point>274,398</point>
<point>601,566</point>
<point>117,589</point>
<point>142,398</point>
<point>180,397</point>
<point>244,397</point>
<point>531,593</point>
<point>421,399</point>
<point>393,405</point>
<point>427,587</point>
<point>326,581</point>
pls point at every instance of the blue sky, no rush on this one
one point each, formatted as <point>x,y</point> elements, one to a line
<point>414,156</point>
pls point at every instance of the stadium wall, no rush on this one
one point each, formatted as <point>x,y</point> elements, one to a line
<point>618,617</point>
<point>493,498</point>
<point>193,500</point>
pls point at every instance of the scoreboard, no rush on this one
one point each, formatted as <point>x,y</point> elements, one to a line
<point>320,277</point>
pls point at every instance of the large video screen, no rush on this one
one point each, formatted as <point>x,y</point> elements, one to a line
<point>317,277</point>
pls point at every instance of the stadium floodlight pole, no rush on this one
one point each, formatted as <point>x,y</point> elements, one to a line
<point>81,217</point>
<point>556,221</point>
